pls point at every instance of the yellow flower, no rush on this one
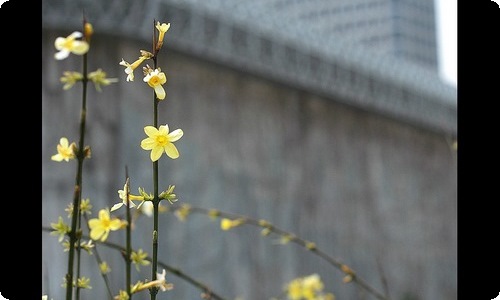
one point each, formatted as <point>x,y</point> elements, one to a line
<point>60,228</point>
<point>313,282</point>
<point>129,68</point>
<point>70,44</point>
<point>139,258</point>
<point>64,150</point>
<point>294,289</point>
<point>123,295</point>
<point>70,78</point>
<point>155,79</point>
<point>160,140</point>
<point>98,77</point>
<point>83,283</point>
<point>226,224</point>
<point>123,195</point>
<point>100,227</point>
<point>183,212</point>
<point>162,282</point>
<point>307,288</point>
<point>104,268</point>
<point>163,28</point>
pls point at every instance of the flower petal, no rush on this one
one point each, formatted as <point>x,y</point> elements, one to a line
<point>116,206</point>
<point>97,233</point>
<point>175,135</point>
<point>61,54</point>
<point>156,153</point>
<point>151,131</point>
<point>171,151</point>
<point>148,143</point>
<point>160,92</point>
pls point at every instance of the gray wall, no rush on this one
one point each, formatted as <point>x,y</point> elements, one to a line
<point>362,187</point>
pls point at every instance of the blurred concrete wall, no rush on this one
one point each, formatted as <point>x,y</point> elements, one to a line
<point>362,187</point>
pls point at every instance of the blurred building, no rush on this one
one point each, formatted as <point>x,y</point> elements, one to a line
<point>327,118</point>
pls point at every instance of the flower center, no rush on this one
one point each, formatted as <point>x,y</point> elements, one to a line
<point>105,223</point>
<point>68,44</point>
<point>155,80</point>
<point>161,140</point>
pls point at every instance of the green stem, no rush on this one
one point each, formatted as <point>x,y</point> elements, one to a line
<point>80,155</point>
<point>128,260</point>
<point>156,200</point>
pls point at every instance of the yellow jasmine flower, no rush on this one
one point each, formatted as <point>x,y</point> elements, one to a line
<point>265,232</point>
<point>162,282</point>
<point>83,283</point>
<point>70,44</point>
<point>169,194</point>
<point>183,212</point>
<point>64,150</point>
<point>163,28</point>
<point>226,224</point>
<point>139,258</point>
<point>123,195</point>
<point>129,68</point>
<point>294,289</point>
<point>313,282</point>
<point>60,228</point>
<point>70,78</point>
<point>98,77</point>
<point>307,288</point>
<point>104,268</point>
<point>160,140</point>
<point>85,206</point>
<point>87,246</point>
<point>100,227</point>
<point>155,79</point>
<point>123,295</point>
<point>285,239</point>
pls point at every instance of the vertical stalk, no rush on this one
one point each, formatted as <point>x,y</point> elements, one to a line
<point>156,200</point>
<point>129,238</point>
<point>74,236</point>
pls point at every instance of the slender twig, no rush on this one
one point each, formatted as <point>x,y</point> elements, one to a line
<point>289,237</point>
<point>74,236</point>
<point>156,199</point>
<point>128,259</point>
<point>175,271</point>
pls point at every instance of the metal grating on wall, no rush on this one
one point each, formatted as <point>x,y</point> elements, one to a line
<point>320,46</point>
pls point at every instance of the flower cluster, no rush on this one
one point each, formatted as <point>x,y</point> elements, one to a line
<point>307,288</point>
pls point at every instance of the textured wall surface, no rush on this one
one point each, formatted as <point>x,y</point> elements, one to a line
<point>362,187</point>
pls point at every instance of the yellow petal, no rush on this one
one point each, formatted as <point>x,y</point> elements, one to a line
<point>104,236</point>
<point>171,151</point>
<point>175,135</point>
<point>151,131</point>
<point>115,224</point>
<point>160,92</point>
<point>96,233</point>
<point>116,206</point>
<point>80,47</point>
<point>156,153</point>
<point>148,143</point>
<point>163,129</point>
